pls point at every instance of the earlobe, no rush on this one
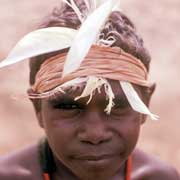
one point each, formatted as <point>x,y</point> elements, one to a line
<point>37,107</point>
<point>152,89</point>
<point>38,114</point>
<point>40,119</point>
<point>143,118</point>
<point>147,99</point>
<point>149,93</point>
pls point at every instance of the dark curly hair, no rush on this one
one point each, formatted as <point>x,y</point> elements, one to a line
<point>123,30</point>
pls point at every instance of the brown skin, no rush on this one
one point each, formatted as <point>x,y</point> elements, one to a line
<point>87,140</point>
<point>87,143</point>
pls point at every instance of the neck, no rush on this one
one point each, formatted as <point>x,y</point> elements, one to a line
<point>62,172</point>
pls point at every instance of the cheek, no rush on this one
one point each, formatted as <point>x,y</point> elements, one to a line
<point>131,135</point>
<point>60,133</point>
<point>60,139</point>
<point>128,131</point>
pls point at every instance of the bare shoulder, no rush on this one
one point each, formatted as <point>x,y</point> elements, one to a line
<point>149,167</point>
<point>21,165</point>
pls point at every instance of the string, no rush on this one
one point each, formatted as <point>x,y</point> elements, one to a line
<point>128,168</point>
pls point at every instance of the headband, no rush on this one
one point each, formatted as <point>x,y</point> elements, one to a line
<point>105,62</point>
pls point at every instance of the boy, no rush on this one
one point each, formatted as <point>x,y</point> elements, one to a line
<point>90,113</point>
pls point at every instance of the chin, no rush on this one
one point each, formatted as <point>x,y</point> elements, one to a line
<point>101,169</point>
<point>96,174</point>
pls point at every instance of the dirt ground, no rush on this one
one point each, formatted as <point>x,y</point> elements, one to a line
<point>159,24</point>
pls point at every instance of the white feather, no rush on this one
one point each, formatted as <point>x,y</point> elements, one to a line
<point>39,42</point>
<point>95,83</point>
<point>106,42</point>
<point>135,101</point>
<point>99,3</point>
<point>92,5</point>
<point>110,96</point>
<point>75,8</point>
<point>92,84</point>
<point>87,35</point>
<point>87,2</point>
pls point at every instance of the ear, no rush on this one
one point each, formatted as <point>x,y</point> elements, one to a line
<point>143,118</point>
<point>148,94</point>
<point>37,107</point>
<point>40,119</point>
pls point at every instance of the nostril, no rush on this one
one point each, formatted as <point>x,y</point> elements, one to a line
<point>94,142</point>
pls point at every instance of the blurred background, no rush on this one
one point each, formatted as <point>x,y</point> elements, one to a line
<point>158,22</point>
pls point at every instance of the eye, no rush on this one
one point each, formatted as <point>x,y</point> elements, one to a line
<point>68,106</point>
<point>67,109</point>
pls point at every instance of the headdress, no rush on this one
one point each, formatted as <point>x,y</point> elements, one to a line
<point>84,45</point>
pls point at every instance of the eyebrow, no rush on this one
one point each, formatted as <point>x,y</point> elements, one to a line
<point>69,99</point>
<point>61,98</point>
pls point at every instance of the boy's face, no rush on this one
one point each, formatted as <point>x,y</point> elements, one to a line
<point>84,138</point>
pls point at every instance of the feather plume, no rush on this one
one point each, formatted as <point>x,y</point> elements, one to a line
<point>93,4</point>
<point>39,42</point>
<point>95,83</point>
<point>135,101</point>
<point>106,42</point>
<point>99,3</point>
<point>73,5</point>
<point>110,96</point>
<point>87,35</point>
<point>92,84</point>
<point>87,4</point>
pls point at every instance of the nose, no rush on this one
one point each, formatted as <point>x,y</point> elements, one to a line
<point>94,129</point>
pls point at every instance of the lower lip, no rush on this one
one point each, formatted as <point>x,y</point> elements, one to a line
<point>98,162</point>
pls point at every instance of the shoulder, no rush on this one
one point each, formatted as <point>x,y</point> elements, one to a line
<point>148,167</point>
<point>22,164</point>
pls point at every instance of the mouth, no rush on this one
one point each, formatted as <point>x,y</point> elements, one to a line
<point>94,158</point>
<point>96,161</point>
